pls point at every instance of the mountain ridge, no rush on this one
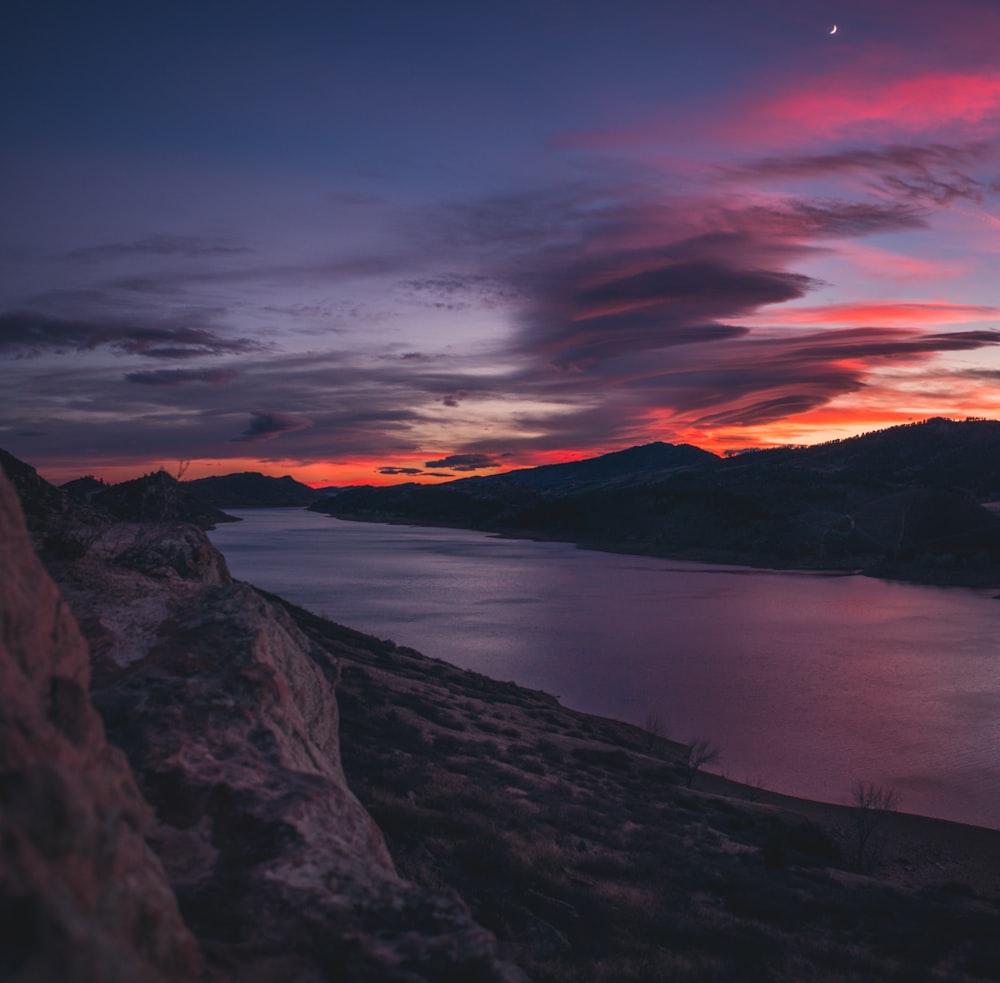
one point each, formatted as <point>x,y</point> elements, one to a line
<point>251,490</point>
<point>905,502</point>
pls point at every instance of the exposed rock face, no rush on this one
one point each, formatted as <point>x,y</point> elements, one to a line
<point>228,716</point>
<point>82,897</point>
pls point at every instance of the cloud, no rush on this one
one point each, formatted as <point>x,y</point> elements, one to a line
<point>180,377</point>
<point>27,333</point>
<point>164,246</point>
<point>393,471</point>
<point>758,381</point>
<point>624,302</point>
<point>455,399</point>
<point>830,218</point>
<point>678,273</point>
<point>874,97</point>
<point>267,426</point>
<point>680,316</point>
<point>457,292</point>
<point>860,103</point>
<point>464,462</point>
<point>930,173</point>
<point>885,313</point>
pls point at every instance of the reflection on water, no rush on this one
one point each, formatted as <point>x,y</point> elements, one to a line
<point>808,682</point>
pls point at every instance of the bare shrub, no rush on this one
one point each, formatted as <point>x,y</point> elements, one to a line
<point>873,805</point>
<point>700,752</point>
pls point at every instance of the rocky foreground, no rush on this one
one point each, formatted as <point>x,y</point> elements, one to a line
<point>201,782</point>
<point>245,855</point>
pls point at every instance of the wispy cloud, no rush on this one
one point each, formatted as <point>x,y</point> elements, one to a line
<point>28,333</point>
<point>181,377</point>
<point>162,246</point>
<point>856,103</point>
<point>935,174</point>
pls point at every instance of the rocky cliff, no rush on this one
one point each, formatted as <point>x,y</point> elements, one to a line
<point>82,897</point>
<point>228,717</point>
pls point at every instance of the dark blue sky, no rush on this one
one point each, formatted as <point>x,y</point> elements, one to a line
<point>350,240</point>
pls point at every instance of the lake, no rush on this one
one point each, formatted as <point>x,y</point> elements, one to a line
<point>808,682</point>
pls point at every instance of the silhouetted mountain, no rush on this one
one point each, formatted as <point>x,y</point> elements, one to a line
<point>937,453</point>
<point>905,502</point>
<point>636,465</point>
<point>251,490</point>
<point>158,497</point>
<point>85,488</point>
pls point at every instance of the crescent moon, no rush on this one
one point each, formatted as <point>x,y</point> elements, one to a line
<point>834,31</point>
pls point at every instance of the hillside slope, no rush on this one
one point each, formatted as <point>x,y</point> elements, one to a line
<point>905,502</point>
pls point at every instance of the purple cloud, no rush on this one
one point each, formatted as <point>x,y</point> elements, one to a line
<point>267,426</point>
<point>167,246</point>
<point>27,333</point>
<point>931,173</point>
<point>180,377</point>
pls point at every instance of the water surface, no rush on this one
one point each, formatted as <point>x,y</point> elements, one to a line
<point>808,682</point>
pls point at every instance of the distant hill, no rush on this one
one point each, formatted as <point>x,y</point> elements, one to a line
<point>52,511</point>
<point>904,502</point>
<point>84,489</point>
<point>636,465</point>
<point>158,497</point>
<point>252,490</point>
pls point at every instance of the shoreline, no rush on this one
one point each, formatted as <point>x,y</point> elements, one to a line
<point>923,852</point>
<point>918,577</point>
<point>972,815</point>
<point>709,781</point>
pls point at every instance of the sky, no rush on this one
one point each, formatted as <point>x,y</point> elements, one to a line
<point>368,243</point>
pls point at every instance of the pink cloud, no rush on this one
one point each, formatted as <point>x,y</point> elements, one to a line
<point>868,100</point>
<point>882,314</point>
<point>900,268</point>
<point>848,105</point>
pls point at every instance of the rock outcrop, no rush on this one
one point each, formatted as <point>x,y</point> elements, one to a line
<point>228,717</point>
<point>82,897</point>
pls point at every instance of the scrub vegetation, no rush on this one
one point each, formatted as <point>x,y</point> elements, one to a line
<point>578,841</point>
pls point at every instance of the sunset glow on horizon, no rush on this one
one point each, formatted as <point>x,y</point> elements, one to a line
<point>382,244</point>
